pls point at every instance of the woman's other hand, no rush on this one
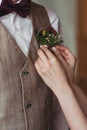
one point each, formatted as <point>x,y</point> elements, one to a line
<point>67,59</point>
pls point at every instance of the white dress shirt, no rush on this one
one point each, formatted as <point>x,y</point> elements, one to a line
<point>21,29</point>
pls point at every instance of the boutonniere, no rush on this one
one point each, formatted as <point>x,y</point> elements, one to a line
<point>49,37</point>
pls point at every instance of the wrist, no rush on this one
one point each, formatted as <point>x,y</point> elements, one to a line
<point>60,89</point>
<point>72,82</point>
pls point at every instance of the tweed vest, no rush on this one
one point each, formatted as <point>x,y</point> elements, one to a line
<point>26,103</point>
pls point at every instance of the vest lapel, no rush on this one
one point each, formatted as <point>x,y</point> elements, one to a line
<point>38,24</point>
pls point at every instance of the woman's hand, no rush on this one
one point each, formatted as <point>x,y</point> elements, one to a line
<point>50,69</point>
<point>53,74</point>
<point>67,59</point>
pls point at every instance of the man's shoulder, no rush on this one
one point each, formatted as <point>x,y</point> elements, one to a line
<point>50,12</point>
<point>53,17</point>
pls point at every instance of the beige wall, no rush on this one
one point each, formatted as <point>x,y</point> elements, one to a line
<point>66,9</point>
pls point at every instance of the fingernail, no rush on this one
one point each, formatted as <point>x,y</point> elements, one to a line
<point>41,46</point>
<point>54,49</point>
<point>45,45</point>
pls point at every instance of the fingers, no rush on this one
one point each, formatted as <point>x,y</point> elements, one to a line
<point>64,50</point>
<point>45,59</point>
<point>42,56</point>
<point>66,53</point>
<point>58,55</point>
<point>65,57</point>
<point>40,62</point>
<point>47,52</point>
<point>38,68</point>
<point>61,47</point>
<point>56,52</point>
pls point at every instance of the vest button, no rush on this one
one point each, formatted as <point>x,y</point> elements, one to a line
<point>48,101</point>
<point>28,105</point>
<point>24,73</point>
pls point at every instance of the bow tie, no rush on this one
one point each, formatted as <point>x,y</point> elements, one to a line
<point>22,8</point>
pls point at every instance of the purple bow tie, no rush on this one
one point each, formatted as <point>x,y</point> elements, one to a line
<point>22,8</point>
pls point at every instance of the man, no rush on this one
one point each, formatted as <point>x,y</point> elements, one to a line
<point>26,103</point>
